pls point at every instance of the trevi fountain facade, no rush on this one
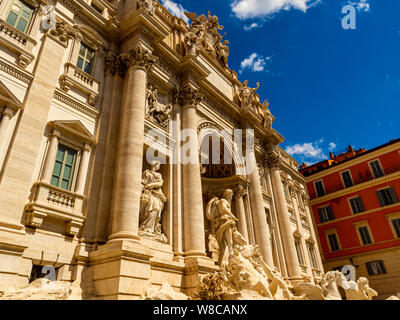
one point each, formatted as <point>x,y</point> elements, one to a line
<point>112,178</point>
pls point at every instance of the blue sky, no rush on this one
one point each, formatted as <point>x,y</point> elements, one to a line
<point>328,87</point>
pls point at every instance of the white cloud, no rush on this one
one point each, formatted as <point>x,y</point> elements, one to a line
<point>332,146</point>
<point>175,8</point>
<point>255,62</point>
<point>244,9</point>
<point>306,150</point>
<point>361,5</point>
<point>252,26</point>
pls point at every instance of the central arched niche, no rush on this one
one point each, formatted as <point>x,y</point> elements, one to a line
<point>217,176</point>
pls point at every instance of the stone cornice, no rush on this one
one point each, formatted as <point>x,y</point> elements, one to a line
<point>356,188</point>
<point>15,72</point>
<point>86,109</point>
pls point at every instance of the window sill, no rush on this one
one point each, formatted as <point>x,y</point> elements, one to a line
<point>76,78</point>
<point>50,201</point>
<point>17,42</point>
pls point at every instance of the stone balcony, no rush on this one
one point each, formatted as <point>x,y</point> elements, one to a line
<point>50,201</point>
<point>80,80</point>
<point>17,42</point>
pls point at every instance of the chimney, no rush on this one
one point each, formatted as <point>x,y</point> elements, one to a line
<point>331,156</point>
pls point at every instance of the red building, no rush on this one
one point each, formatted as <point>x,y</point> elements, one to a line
<point>355,202</point>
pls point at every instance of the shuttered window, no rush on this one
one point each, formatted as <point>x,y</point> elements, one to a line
<point>298,251</point>
<point>333,242</point>
<point>348,182</point>
<point>376,169</point>
<point>19,15</point>
<point>64,167</point>
<point>326,214</point>
<point>376,267</point>
<point>387,196</point>
<point>357,205</point>
<point>396,226</point>
<point>319,189</point>
<point>365,236</point>
<point>85,58</point>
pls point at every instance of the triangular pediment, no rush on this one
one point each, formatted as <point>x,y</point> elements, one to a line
<point>74,127</point>
<point>7,98</point>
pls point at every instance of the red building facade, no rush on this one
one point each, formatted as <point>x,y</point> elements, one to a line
<point>356,209</point>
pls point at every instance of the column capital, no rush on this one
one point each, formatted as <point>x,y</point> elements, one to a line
<point>7,112</point>
<point>87,147</point>
<point>239,191</point>
<point>138,58</point>
<point>56,133</point>
<point>272,159</point>
<point>188,96</point>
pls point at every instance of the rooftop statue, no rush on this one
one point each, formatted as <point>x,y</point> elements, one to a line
<point>204,35</point>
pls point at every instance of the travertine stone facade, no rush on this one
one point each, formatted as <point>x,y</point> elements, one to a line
<point>79,104</point>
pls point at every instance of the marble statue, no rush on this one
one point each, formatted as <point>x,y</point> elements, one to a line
<point>245,94</point>
<point>360,290</point>
<point>219,212</point>
<point>156,111</point>
<point>152,204</point>
<point>204,35</point>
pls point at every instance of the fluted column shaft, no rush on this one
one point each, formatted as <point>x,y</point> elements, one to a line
<point>261,228</point>
<point>193,217</point>
<point>128,188</point>
<point>289,249</point>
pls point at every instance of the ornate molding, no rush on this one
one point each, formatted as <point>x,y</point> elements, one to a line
<point>112,64</point>
<point>188,96</point>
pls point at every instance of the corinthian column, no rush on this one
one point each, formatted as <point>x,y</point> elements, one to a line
<point>293,268</point>
<point>137,63</point>
<point>193,218</point>
<point>261,228</point>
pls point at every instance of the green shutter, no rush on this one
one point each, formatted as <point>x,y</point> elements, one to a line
<point>63,167</point>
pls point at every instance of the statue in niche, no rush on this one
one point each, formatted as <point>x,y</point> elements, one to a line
<point>152,203</point>
<point>156,111</point>
<point>227,236</point>
<point>246,94</point>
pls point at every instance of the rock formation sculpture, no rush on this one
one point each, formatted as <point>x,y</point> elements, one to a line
<point>44,289</point>
<point>166,292</point>
<point>152,204</point>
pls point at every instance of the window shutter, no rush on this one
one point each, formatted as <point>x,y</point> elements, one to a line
<point>321,215</point>
<point>361,203</point>
<point>369,269</point>
<point>330,213</point>
<point>382,266</point>
<point>380,198</point>
<point>393,195</point>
